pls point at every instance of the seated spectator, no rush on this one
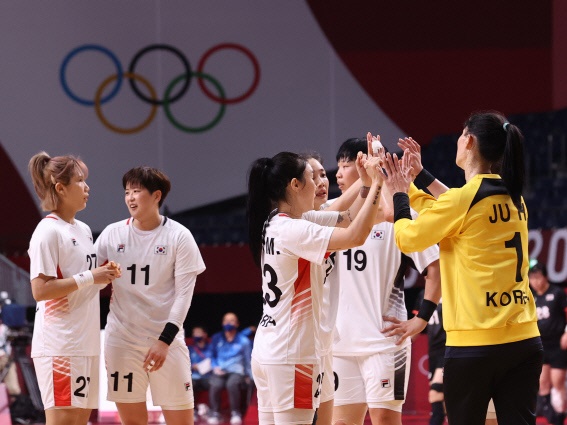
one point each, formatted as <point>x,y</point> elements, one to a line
<point>200,354</point>
<point>230,354</point>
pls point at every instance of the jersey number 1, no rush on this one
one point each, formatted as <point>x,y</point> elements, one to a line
<point>516,243</point>
<point>146,271</point>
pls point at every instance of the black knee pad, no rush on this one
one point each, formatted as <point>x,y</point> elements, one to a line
<point>436,387</point>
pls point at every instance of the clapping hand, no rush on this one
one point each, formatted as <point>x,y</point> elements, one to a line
<point>409,144</point>
<point>399,173</point>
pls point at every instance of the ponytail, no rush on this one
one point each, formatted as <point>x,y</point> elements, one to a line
<point>501,144</point>
<point>44,187</point>
<point>268,179</point>
<point>259,204</point>
<point>46,172</point>
<point>513,166</point>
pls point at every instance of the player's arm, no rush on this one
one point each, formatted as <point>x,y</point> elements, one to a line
<point>49,288</point>
<point>352,200</point>
<point>431,297</point>
<point>360,228</point>
<point>184,288</point>
<point>424,179</point>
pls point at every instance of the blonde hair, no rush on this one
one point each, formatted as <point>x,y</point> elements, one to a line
<point>46,172</point>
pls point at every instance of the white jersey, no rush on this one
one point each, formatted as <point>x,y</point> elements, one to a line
<point>371,286</point>
<point>331,295</point>
<point>293,273</point>
<point>151,262</point>
<point>70,325</point>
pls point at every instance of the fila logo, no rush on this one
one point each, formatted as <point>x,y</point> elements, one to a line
<point>385,383</point>
<point>121,247</point>
<point>377,234</point>
<point>74,241</point>
<point>160,250</point>
<point>187,386</point>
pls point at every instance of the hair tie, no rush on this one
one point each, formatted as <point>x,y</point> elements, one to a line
<point>505,126</point>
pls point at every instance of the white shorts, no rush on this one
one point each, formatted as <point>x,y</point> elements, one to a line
<point>128,382</point>
<point>379,380</point>
<point>327,378</point>
<point>286,393</point>
<point>68,382</point>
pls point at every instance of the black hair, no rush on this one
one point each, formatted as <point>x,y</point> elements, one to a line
<point>203,327</point>
<point>502,144</point>
<point>536,266</point>
<point>350,148</point>
<point>267,183</point>
<point>312,155</point>
<point>148,178</point>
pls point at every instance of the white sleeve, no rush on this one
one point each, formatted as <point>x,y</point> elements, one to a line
<point>424,258</point>
<point>314,236</point>
<point>188,257</point>
<point>188,264</point>
<point>323,218</point>
<point>44,252</point>
<point>184,288</point>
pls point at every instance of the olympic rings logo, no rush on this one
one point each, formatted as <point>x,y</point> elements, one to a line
<point>170,96</point>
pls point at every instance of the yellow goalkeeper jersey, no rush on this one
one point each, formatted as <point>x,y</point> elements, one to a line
<point>483,241</point>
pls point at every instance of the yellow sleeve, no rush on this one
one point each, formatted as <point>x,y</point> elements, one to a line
<point>437,220</point>
<point>419,199</point>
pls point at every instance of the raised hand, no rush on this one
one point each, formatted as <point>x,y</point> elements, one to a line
<point>373,167</point>
<point>359,162</point>
<point>375,147</point>
<point>409,144</point>
<point>399,173</point>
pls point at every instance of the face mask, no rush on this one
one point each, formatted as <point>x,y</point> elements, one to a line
<point>197,339</point>
<point>229,327</point>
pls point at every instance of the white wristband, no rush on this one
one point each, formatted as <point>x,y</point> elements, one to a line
<point>565,329</point>
<point>84,279</point>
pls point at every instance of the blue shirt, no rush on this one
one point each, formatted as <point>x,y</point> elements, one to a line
<point>197,355</point>
<point>231,357</point>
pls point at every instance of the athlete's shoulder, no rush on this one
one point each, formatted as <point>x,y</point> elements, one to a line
<point>172,224</point>
<point>177,228</point>
<point>122,224</point>
<point>84,226</point>
<point>49,225</point>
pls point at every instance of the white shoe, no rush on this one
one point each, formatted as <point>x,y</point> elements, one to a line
<point>235,419</point>
<point>213,420</point>
<point>202,409</point>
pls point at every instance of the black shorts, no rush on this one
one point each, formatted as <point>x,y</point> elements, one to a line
<point>555,357</point>
<point>507,373</point>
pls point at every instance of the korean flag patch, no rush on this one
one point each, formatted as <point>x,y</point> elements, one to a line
<point>160,250</point>
<point>377,234</point>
